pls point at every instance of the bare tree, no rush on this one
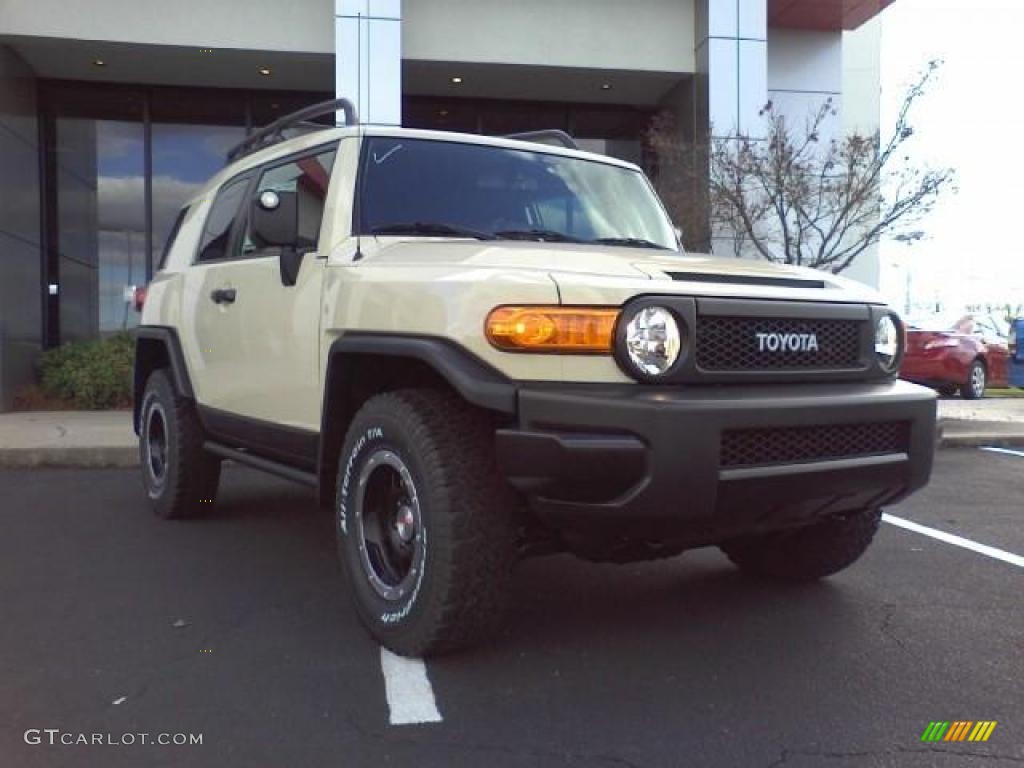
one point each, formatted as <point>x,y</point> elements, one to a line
<point>794,198</point>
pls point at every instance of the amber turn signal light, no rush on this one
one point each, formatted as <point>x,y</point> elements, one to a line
<point>572,330</point>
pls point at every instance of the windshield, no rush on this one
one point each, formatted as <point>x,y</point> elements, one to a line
<point>441,188</point>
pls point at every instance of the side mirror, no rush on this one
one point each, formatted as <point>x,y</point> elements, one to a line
<point>275,219</point>
<point>275,223</point>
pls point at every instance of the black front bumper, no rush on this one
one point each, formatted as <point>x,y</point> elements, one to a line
<point>648,461</point>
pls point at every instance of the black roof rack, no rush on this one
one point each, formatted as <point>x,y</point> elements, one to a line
<point>274,133</point>
<point>547,136</point>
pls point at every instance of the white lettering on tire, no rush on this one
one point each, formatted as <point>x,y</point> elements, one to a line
<point>376,433</point>
<point>373,433</point>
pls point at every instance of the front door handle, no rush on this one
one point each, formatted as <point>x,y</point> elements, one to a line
<point>223,295</point>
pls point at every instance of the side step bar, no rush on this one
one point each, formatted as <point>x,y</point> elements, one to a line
<point>266,465</point>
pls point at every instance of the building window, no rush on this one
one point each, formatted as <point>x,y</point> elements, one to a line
<point>101,224</point>
<point>616,130</point>
<point>124,161</point>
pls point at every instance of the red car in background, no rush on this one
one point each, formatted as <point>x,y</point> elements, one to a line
<point>969,355</point>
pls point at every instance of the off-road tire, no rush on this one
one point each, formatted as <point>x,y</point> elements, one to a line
<point>977,381</point>
<point>465,528</point>
<point>188,483</point>
<point>808,553</point>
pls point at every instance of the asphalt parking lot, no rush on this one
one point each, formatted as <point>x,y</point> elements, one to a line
<point>236,627</point>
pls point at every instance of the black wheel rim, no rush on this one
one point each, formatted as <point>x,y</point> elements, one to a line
<point>389,527</point>
<point>156,444</point>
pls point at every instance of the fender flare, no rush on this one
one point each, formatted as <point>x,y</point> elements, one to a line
<point>168,338</point>
<point>473,379</point>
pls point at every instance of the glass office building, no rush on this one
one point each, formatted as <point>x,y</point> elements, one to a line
<point>113,114</point>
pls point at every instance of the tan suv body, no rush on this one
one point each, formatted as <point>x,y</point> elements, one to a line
<point>480,348</point>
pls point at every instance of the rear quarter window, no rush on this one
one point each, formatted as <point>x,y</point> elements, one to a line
<point>171,236</point>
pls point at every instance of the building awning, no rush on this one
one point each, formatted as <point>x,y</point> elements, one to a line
<point>823,14</point>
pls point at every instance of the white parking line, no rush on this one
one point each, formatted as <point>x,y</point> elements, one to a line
<point>949,538</point>
<point>410,695</point>
<point>1009,451</point>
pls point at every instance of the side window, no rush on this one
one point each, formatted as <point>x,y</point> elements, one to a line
<point>170,238</point>
<point>308,177</point>
<point>216,237</point>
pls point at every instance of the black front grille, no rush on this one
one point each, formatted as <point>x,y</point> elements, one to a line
<point>733,344</point>
<point>786,445</point>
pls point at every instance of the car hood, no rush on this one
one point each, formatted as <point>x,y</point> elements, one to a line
<point>607,274</point>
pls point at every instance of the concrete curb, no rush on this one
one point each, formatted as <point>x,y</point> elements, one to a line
<point>957,433</point>
<point>979,439</point>
<point>80,457</point>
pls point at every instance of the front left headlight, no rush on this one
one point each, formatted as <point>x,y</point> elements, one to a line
<point>652,340</point>
<point>887,343</point>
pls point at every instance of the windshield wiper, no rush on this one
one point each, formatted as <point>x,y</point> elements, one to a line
<point>430,228</point>
<point>549,235</point>
<point>634,242</point>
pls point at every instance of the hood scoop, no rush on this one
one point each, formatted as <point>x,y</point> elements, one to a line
<point>725,279</point>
